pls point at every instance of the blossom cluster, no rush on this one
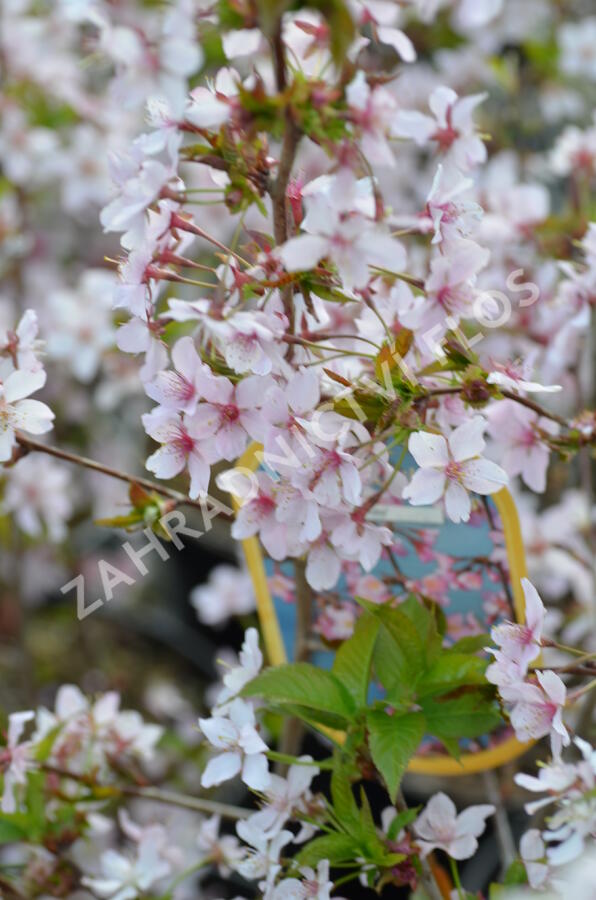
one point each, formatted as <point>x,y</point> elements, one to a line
<point>349,254</point>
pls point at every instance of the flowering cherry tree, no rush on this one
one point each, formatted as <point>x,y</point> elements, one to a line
<point>325,251</point>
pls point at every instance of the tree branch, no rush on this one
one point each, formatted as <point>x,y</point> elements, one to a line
<point>290,143</point>
<point>172,798</point>
<point>511,395</point>
<point>535,407</point>
<point>179,499</point>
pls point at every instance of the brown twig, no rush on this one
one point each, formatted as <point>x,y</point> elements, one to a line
<point>511,395</point>
<point>289,147</point>
<point>86,463</point>
<point>535,407</point>
<point>158,795</point>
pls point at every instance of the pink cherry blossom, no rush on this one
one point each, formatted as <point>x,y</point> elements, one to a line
<point>258,515</point>
<point>537,710</point>
<point>22,344</point>
<point>372,111</point>
<point>450,127</point>
<point>450,293</point>
<point>140,176</point>
<point>182,447</point>
<point>122,877</point>
<point>313,886</point>
<point>336,623</point>
<point>250,663</point>
<point>230,415</point>
<point>142,335</point>
<point>283,410</point>
<point>506,673</point>
<point>514,376</point>
<point>250,341</point>
<point>384,17</point>
<point>522,642</point>
<point>323,564</point>
<point>335,229</point>
<point>523,450</point>
<point>211,107</point>
<point>181,388</point>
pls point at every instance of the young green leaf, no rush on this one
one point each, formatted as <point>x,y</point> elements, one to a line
<point>400,821</point>
<point>302,684</point>
<point>404,633</point>
<point>470,644</point>
<point>342,797</point>
<point>318,719</point>
<point>428,619</point>
<point>450,671</point>
<point>467,716</point>
<point>336,847</point>
<point>391,669</point>
<point>353,659</point>
<point>11,832</point>
<point>392,741</point>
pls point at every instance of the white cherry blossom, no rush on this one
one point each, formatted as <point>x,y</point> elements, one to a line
<point>439,827</point>
<point>451,468</point>
<point>228,592</point>
<point>20,414</point>
<point>242,748</point>
<point>124,877</point>
<point>15,758</point>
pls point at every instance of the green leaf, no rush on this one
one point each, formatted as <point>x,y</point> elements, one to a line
<point>342,797</point>
<point>337,848</point>
<point>392,670</point>
<point>36,806</point>
<point>11,832</point>
<point>368,829</point>
<point>451,745</point>
<point>428,619</point>
<point>470,644</point>
<point>318,719</point>
<point>450,671</point>
<point>404,634</point>
<point>400,821</point>
<point>302,684</point>
<point>353,659</point>
<point>467,716</point>
<point>516,873</point>
<point>44,747</point>
<point>392,741</point>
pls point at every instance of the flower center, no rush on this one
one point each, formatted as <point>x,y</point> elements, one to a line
<point>454,470</point>
<point>230,412</point>
<point>185,442</point>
